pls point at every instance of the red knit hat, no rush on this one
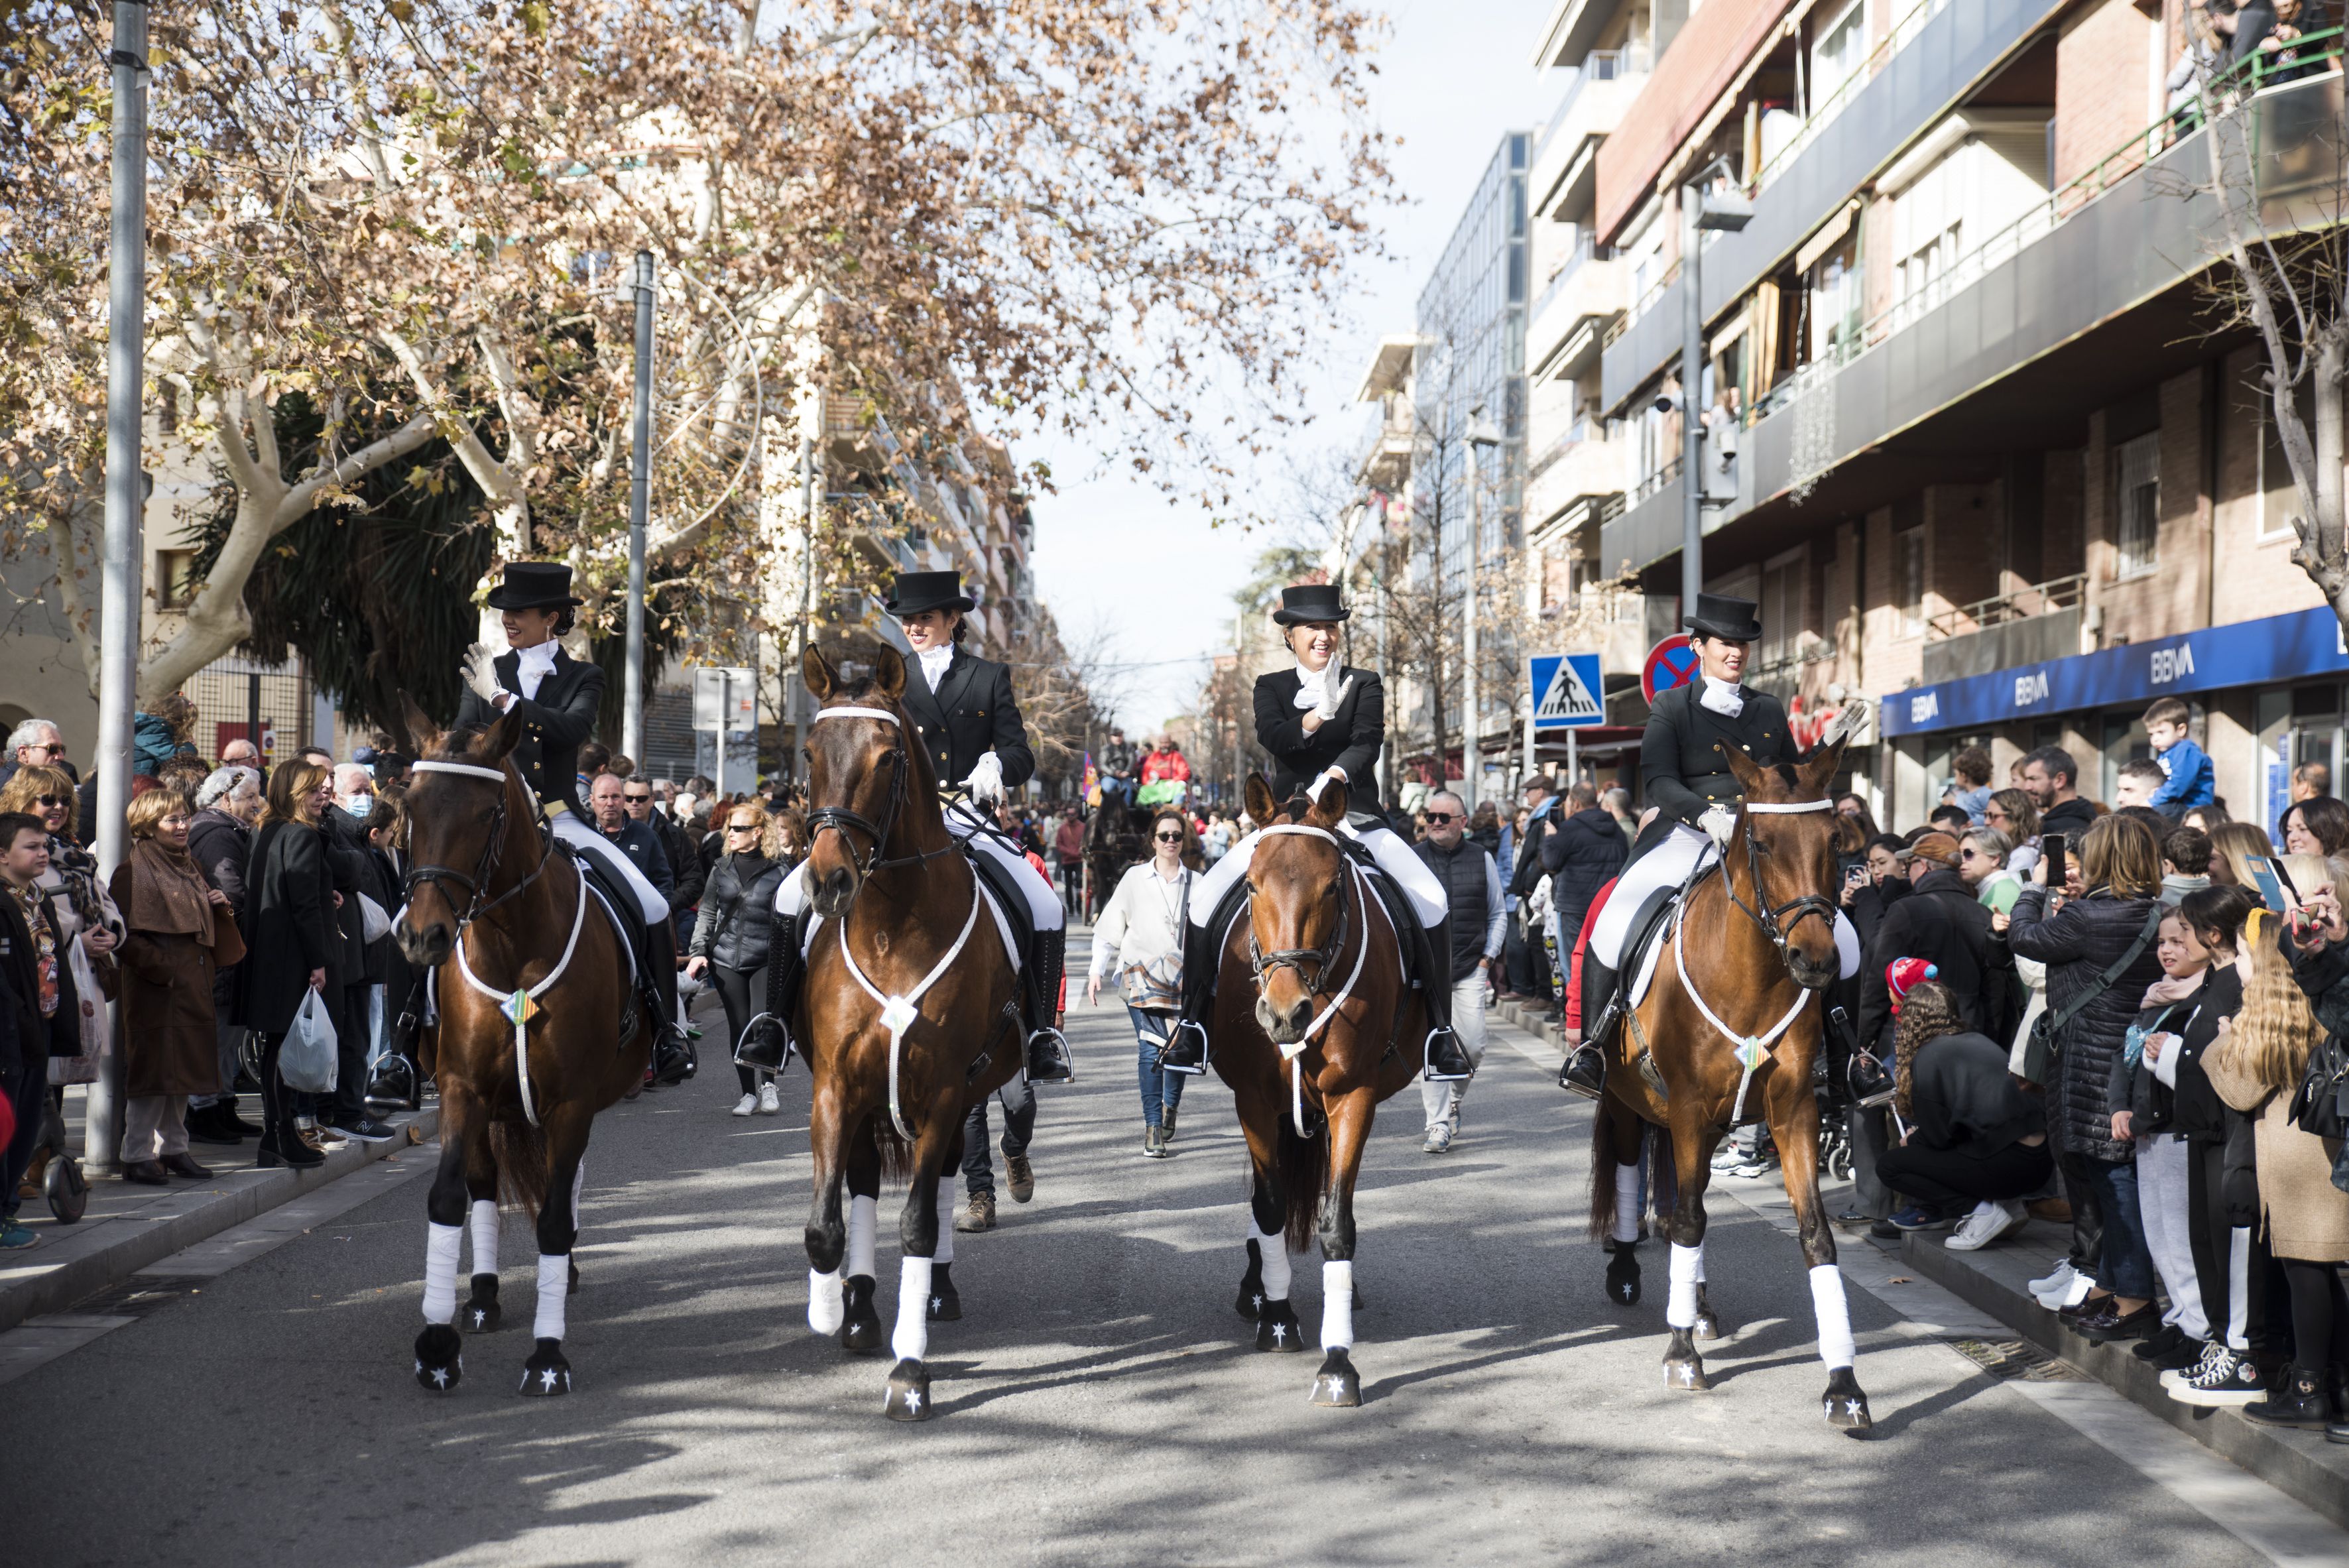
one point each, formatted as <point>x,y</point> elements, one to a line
<point>1902,974</point>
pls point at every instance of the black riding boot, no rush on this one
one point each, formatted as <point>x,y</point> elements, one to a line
<point>766,1044</point>
<point>673,1058</point>
<point>1048,1049</point>
<point>394,1083</point>
<point>1186,1050</point>
<point>1447,1060</point>
<point>1585,1071</point>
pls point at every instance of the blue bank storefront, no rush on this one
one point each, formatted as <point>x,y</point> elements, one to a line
<point>2267,695</point>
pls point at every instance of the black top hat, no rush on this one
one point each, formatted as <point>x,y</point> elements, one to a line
<point>1723,616</point>
<point>915,592</point>
<point>534,585</point>
<point>1306,603</point>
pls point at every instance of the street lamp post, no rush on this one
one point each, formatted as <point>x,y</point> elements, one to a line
<point>1482,434</point>
<point>640,495</point>
<point>1701,211</point>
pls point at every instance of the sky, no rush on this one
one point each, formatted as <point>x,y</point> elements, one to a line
<point>1453,75</point>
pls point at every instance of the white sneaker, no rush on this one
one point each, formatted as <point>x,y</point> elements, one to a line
<point>2057,1279</point>
<point>746,1105</point>
<point>770,1102</point>
<point>2072,1295</point>
<point>1989,1221</point>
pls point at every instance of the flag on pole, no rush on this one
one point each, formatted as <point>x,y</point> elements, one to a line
<point>1092,789</point>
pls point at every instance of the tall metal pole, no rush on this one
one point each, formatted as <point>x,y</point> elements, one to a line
<point>118,628</point>
<point>807,588</point>
<point>1692,381</point>
<point>640,503</point>
<point>1471,742</point>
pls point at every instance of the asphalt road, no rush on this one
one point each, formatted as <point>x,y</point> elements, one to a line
<point>1100,1401</point>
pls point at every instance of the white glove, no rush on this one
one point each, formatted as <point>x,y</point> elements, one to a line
<point>986,780</point>
<point>1719,822</point>
<point>1320,782</point>
<point>1331,699</point>
<point>1848,723</point>
<point>481,672</point>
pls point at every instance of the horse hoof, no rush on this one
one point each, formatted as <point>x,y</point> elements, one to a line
<point>481,1313</point>
<point>908,1398</point>
<point>1276,1328</point>
<point>1845,1406</point>
<point>1250,1304</point>
<point>945,1302</point>
<point>439,1359</point>
<point>1624,1278</point>
<point>546,1374</point>
<point>1337,1386</point>
<point>1686,1374</point>
<point>859,1327</point>
<point>1707,1327</point>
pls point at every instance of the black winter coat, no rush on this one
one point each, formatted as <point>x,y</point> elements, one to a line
<point>288,925</point>
<point>1943,924</point>
<point>2078,944</point>
<point>737,911</point>
<point>2192,1109</point>
<point>1581,854</point>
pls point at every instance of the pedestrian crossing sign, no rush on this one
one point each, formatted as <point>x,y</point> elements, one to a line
<point>1568,693</point>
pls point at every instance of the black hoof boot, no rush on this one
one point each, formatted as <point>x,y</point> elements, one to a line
<point>1337,1386</point>
<point>908,1398</point>
<point>861,1328</point>
<point>946,1306</point>
<point>1623,1277</point>
<point>1276,1328</point>
<point>1584,1072</point>
<point>1250,1304</point>
<point>1684,1368</point>
<point>546,1374</point>
<point>481,1314</point>
<point>1707,1327</point>
<point>439,1359</point>
<point>1844,1404</point>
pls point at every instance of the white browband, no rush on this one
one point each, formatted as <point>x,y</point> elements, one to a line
<point>1788,807</point>
<point>469,769</point>
<point>881,713</point>
<point>1304,829</point>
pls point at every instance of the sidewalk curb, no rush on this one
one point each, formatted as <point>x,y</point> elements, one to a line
<point>2300,1465</point>
<point>192,1215</point>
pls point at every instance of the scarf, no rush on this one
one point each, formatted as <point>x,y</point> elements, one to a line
<point>934,663</point>
<point>168,894</point>
<point>1312,686</point>
<point>1722,698</point>
<point>2171,989</point>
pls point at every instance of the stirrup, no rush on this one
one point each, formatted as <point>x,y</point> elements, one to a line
<point>1459,1071</point>
<point>1584,1071</point>
<point>1048,1057</point>
<point>1168,1054</point>
<point>765,1046</point>
<point>391,1085</point>
<point>673,1058</point>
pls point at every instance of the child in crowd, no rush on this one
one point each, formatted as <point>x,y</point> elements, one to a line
<point>1970,793</point>
<point>2188,779</point>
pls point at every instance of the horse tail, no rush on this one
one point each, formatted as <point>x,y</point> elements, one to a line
<point>1602,1175</point>
<point>520,1150</point>
<point>1303,1164</point>
<point>896,1154</point>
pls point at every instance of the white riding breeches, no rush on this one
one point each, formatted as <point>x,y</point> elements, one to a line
<point>1668,864</point>
<point>582,835</point>
<point>1044,910</point>
<point>1393,857</point>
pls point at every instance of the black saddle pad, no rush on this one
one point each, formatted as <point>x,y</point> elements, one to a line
<point>1007,893</point>
<point>620,899</point>
<point>1647,926</point>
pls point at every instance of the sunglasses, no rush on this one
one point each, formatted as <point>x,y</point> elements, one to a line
<point>1439,817</point>
<point>1168,838</point>
<point>49,799</point>
<point>741,827</point>
<point>1971,855</point>
<point>636,800</point>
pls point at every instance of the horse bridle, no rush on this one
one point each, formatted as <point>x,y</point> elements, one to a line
<point>841,819</point>
<point>1297,958</point>
<point>1765,915</point>
<point>487,866</point>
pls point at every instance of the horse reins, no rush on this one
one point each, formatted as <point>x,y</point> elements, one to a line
<point>1319,957</point>
<point>840,818</point>
<point>486,867</point>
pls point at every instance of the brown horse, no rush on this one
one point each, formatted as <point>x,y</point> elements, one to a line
<point>539,1029</point>
<point>1314,1024</point>
<point>910,1015</point>
<point>1736,982</point>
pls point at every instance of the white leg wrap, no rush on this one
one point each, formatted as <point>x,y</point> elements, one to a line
<point>483,1224</point>
<point>827,1308</point>
<point>944,1252</point>
<point>1274,1251</point>
<point>911,1337</point>
<point>1627,1203</point>
<point>554,1292</point>
<point>861,1220</point>
<point>1680,1311</point>
<point>440,1244</point>
<point>1836,1347</point>
<point>1337,1305</point>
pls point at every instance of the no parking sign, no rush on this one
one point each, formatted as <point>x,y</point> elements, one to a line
<point>1669,664</point>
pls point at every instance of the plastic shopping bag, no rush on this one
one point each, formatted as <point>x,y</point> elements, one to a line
<point>306,1061</point>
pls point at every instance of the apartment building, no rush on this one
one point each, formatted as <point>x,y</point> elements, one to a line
<point>1977,440</point>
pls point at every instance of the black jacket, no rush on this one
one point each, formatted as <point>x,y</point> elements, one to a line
<point>2071,818</point>
<point>1941,923</point>
<point>28,1033</point>
<point>288,925</point>
<point>555,724</point>
<point>1581,854</point>
<point>1679,767</point>
<point>1871,903</point>
<point>220,845</point>
<point>2193,1107</point>
<point>2078,944</point>
<point>1964,1100</point>
<point>737,906</point>
<point>1521,876</point>
<point>643,848</point>
<point>1350,741</point>
<point>970,714</point>
<point>685,865</point>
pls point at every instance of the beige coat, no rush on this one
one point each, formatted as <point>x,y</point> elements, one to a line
<point>2307,1216</point>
